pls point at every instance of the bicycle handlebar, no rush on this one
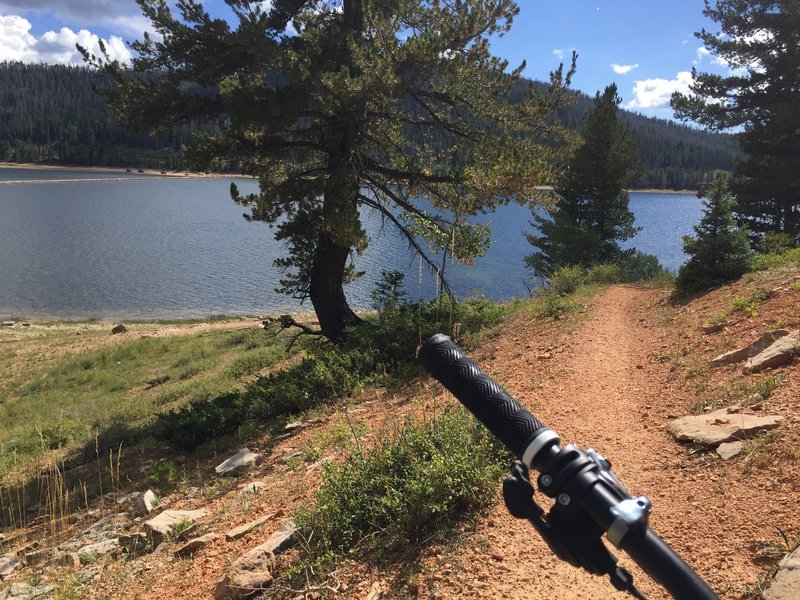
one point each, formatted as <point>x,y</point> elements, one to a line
<point>587,482</point>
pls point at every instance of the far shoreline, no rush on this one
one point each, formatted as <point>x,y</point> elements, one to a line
<point>199,175</point>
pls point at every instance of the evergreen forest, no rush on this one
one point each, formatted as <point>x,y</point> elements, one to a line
<point>51,114</point>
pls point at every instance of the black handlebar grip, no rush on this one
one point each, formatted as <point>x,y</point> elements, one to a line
<point>480,394</point>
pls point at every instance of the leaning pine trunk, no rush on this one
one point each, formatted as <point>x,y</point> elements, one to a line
<point>327,290</point>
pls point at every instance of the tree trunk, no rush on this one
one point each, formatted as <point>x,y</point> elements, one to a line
<point>327,288</point>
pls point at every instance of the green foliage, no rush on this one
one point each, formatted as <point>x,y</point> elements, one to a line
<point>566,280</point>
<point>415,483</point>
<point>762,262</point>
<point>591,215</point>
<point>162,475</point>
<point>759,98</point>
<point>774,242</point>
<point>367,104</point>
<point>387,295</point>
<point>371,353</point>
<point>720,251</point>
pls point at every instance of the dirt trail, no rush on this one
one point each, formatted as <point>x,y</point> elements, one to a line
<point>596,387</point>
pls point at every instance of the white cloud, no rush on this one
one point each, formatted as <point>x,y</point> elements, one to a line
<point>623,69</point>
<point>656,93</point>
<point>702,52</point>
<point>17,43</point>
<point>108,13</point>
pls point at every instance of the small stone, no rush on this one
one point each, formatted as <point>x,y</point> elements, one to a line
<point>93,551</point>
<point>293,426</point>
<point>144,504</point>
<point>161,527</point>
<point>237,464</point>
<point>117,329</point>
<point>729,450</point>
<point>250,573</point>
<point>195,545</point>
<point>709,329</point>
<point>8,563</point>
<point>66,559</point>
<point>23,591</point>
<point>243,530</point>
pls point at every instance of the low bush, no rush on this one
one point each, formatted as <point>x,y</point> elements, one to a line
<point>417,482</point>
<point>566,280</point>
<point>373,353</point>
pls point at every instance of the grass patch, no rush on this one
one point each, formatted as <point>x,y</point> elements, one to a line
<point>762,262</point>
<point>113,392</point>
<point>416,484</point>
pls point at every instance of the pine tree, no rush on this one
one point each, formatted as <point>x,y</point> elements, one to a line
<point>760,41</point>
<point>591,214</point>
<point>337,105</point>
<point>720,250</point>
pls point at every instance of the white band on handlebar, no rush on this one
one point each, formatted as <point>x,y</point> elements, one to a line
<point>539,442</point>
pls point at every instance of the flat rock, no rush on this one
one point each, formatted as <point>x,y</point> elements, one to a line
<point>719,426</point>
<point>144,504</point>
<point>239,463</point>
<point>8,562</point>
<point>729,450</point>
<point>91,552</point>
<point>66,559</point>
<point>160,527</point>
<point>751,350</point>
<point>709,329</point>
<point>8,323</point>
<point>195,545</point>
<point>243,530</point>
<point>38,556</point>
<point>23,591</point>
<point>283,537</point>
<point>786,584</point>
<point>779,353</point>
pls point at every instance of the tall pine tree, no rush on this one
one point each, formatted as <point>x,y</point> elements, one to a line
<point>760,41</point>
<point>336,105</point>
<point>591,214</point>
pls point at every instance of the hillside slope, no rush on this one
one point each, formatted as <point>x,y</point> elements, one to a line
<point>608,377</point>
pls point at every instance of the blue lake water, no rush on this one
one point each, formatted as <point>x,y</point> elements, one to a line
<point>152,247</point>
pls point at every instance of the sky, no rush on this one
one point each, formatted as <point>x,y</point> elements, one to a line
<point>647,48</point>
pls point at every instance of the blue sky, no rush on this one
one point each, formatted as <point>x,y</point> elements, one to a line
<point>647,47</point>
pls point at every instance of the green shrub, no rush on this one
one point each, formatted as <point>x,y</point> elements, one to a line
<point>720,251</point>
<point>566,280</point>
<point>372,353</point>
<point>414,484</point>
<point>774,242</point>
<point>762,262</point>
<point>640,267</point>
<point>604,274</point>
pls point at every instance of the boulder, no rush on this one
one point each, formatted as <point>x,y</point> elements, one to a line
<point>237,464</point>
<point>143,505</point>
<point>734,356</point>
<point>8,323</point>
<point>729,450</point>
<point>195,545</point>
<point>119,329</point>
<point>786,584</point>
<point>8,563</point>
<point>23,591</point>
<point>161,527</point>
<point>283,537</point>
<point>38,556</point>
<point>66,559</point>
<point>779,353</point>
<point>719,426</point>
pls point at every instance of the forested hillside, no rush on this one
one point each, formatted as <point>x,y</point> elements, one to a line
<point>50,114</point>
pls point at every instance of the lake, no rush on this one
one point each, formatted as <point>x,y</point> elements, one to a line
<point>131,246</point>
